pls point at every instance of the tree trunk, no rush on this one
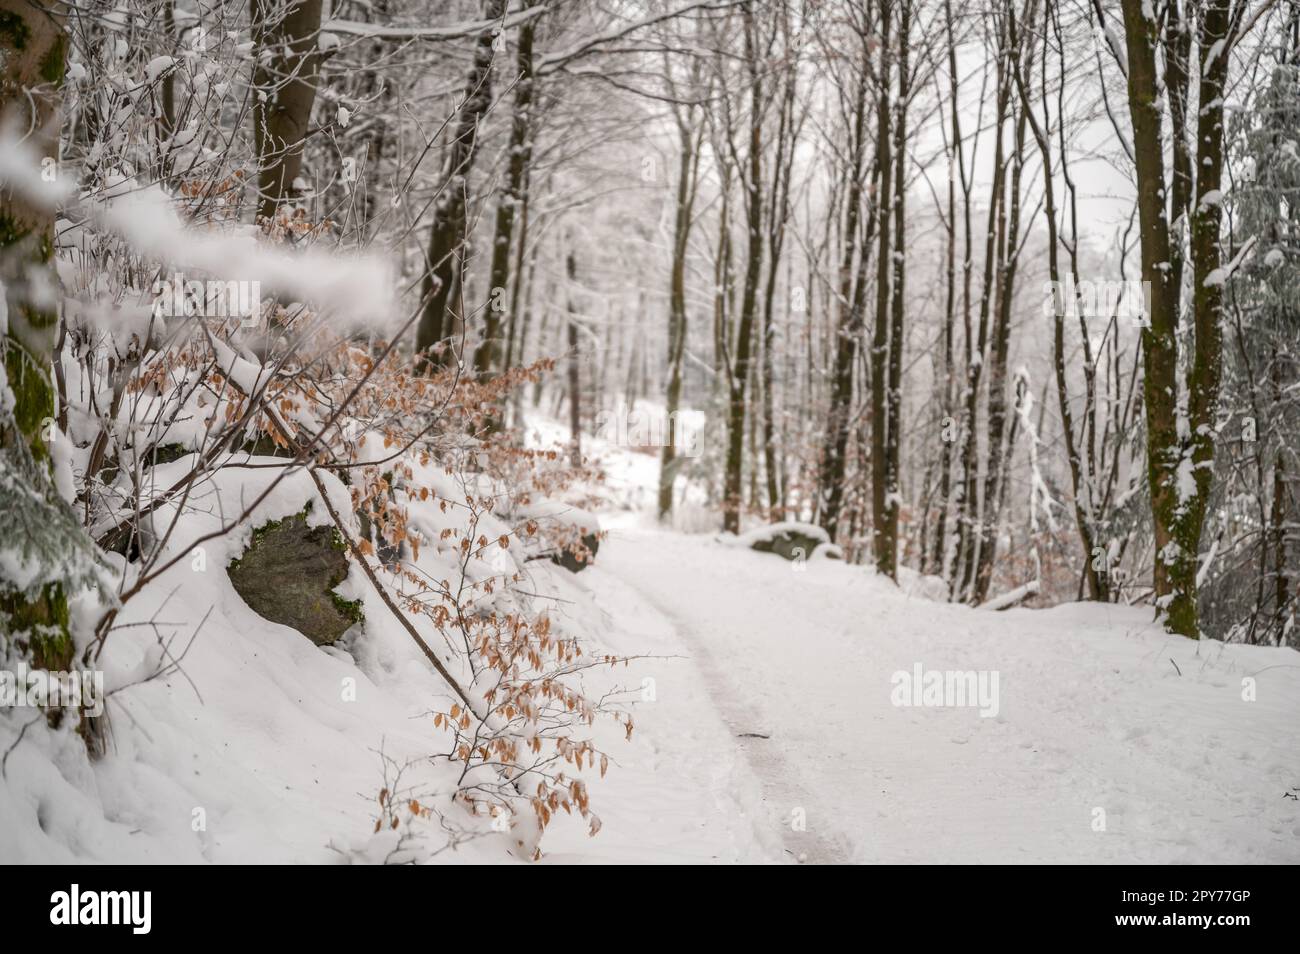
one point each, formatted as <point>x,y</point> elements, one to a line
<point>441,319</point>
<point>739,371</point>
<point>888,538</point>
<point>1180,453</point>
<point>575,380</point>
<point>949,435</point>
<point>488,354</point>
<point>881,538</point>
<point>1095,577</point>
<point>851,305</point>
<point>778,213</point>
<point>1000,451</point>
<point>285,37</point>
<point>33,48</point>
<point>968,503</point>
<point>686,182</point>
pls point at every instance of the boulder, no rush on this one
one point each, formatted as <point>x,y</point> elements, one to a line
<point>575,559</point>
<point>791,540</point>
<point>569,535</point>
<point>288,575</point>
<point>790,544</point>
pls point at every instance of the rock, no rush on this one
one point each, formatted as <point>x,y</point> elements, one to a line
<point>790,544</point>
<point>791,540</point>
<point>165,454</point>
<point>565,529</point>
<point>288,575</point>
<point>579,561</point>
<point>264,445</point>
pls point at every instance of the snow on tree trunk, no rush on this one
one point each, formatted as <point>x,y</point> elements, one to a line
<point>34,580</point>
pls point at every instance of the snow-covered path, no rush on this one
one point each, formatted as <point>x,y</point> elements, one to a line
<point>1112,741</point>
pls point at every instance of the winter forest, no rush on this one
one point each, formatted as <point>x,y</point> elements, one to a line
<point>670,431</point>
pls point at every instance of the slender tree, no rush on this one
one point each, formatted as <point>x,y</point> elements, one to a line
<point>1180,414</point>
<point>286,40</point>
<point>444,273</point>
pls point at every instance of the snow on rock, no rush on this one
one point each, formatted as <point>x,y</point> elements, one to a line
<point>573,537</point>
<point>259,747</point>
<point>288,575</point>
<point>789,539</point>
<point>768,533</point>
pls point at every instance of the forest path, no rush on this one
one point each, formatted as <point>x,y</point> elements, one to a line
<point>1094,724</point>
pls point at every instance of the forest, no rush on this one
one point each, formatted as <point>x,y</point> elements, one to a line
<point>376,321</point>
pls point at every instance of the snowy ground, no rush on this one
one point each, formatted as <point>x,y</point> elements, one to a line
<point>766,727</point>
<point>1098,711</point>
<point>773,732</point>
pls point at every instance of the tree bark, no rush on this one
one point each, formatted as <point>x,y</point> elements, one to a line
<point>849,332</point>
<point>445,259</point>
<point>887,557</point>
<point>33,49</point>
<point>285,38</point>
<point>575,379</point>
<point>683,214</point>
<point>738,377</point>
<point>881,538</point>
<point>1180,441</point>
<point>488,354</point>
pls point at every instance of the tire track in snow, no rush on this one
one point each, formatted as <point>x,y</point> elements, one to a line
<point>1092,715</point>
<point>782,792</point>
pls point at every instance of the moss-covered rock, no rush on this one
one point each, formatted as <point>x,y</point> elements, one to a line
<point>790,544</point>
<point>288,575</point>
<point>265,446</point>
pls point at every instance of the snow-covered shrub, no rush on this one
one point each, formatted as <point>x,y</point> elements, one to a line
<point>179,431</point>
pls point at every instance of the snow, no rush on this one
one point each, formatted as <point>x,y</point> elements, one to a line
<point>1186,478</point>
<point>356,290</point>
<point>1213,197</point>
<point>273,743</point>
<point>1203,573</point>
<point>681,790</point>
<point>1116,45</point>
<point>1093,715</point>
<point>1012,597</point>
<point>1216,48</point>
<point>768,533</point>
<point>332,28</point>
<point>157,67</point>
<point>1219,276</point>
<point>768,725</point>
